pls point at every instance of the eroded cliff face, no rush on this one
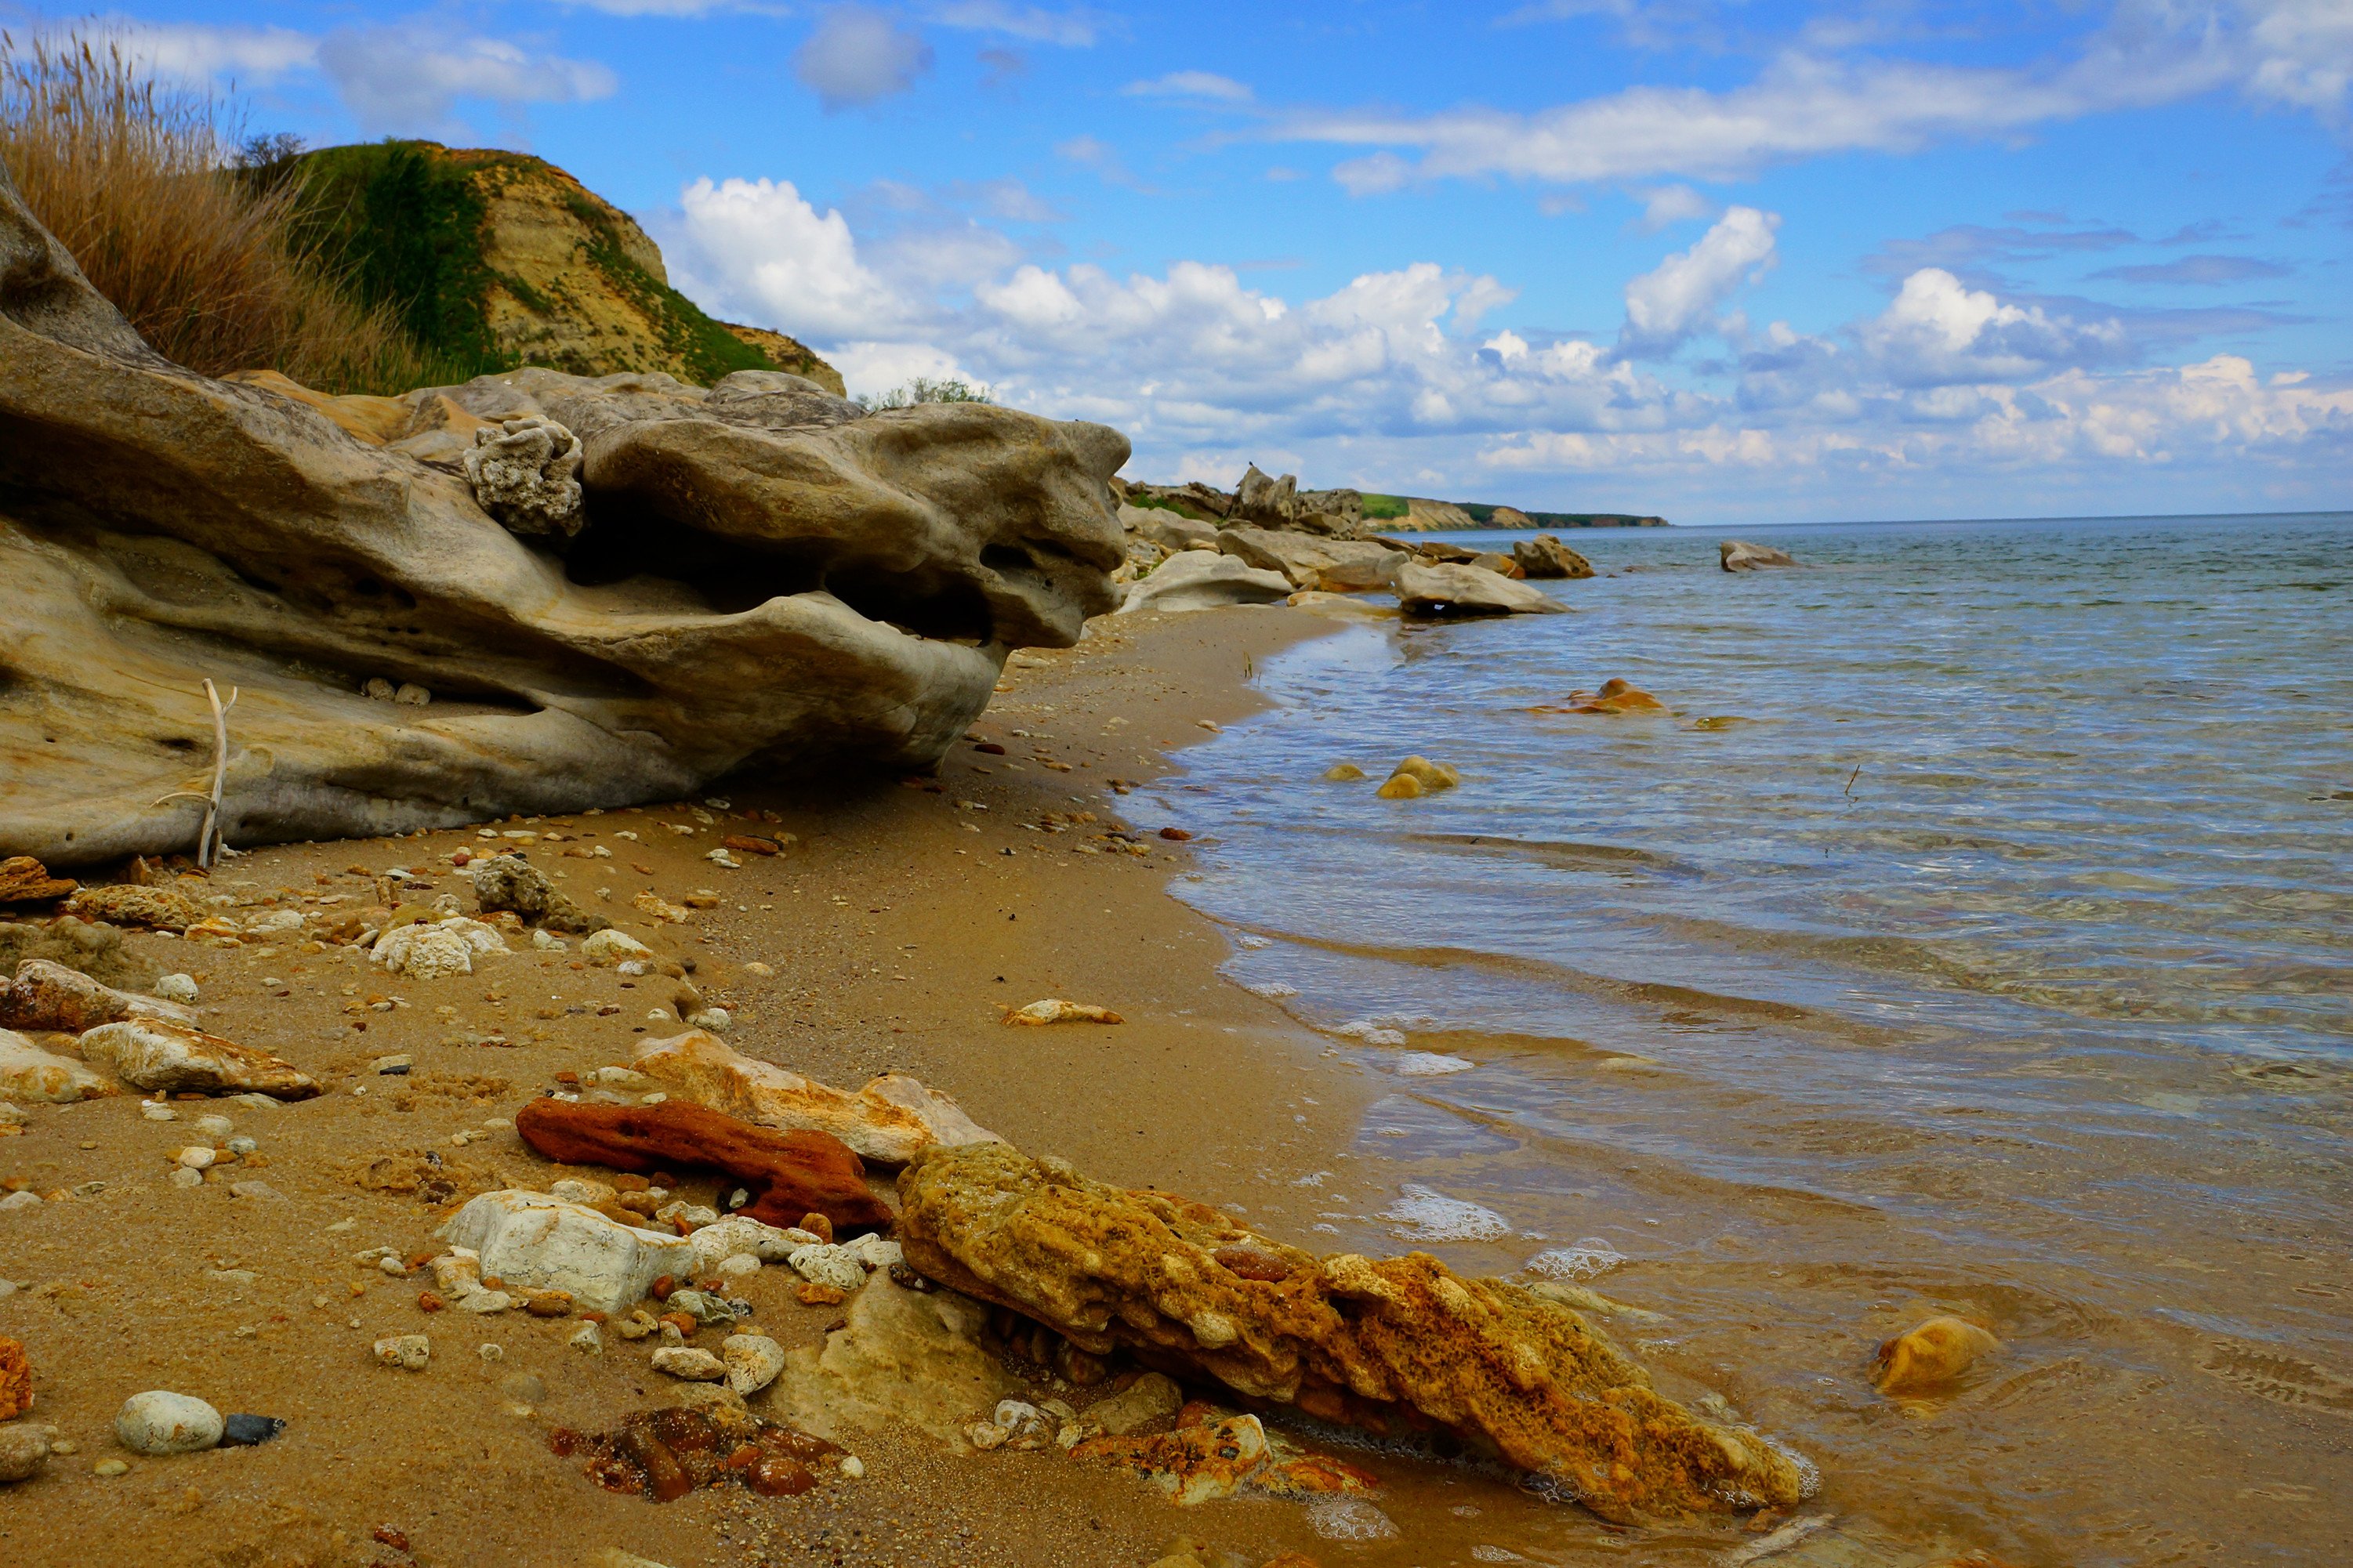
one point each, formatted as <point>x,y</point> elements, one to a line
<point>763,576</point>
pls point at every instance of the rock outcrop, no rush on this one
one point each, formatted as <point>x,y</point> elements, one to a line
<point>1388,1345</point>
<point>887,1120</point>
<point>1546,556</point>
<point>1197,580</point>
<point>1331,565</point>
<point>1450,590</point>
<point>47,995</point>
<point>1739,555</point>
<point>767,577</point>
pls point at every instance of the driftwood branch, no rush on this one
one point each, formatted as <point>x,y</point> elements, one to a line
<point>209,847</point>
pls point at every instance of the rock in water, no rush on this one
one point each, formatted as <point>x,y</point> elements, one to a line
<point>1546,556</point>
<point>1386,1344</point>
<point>159,1422</point>
<point>887,1120</point>
<point>28,1072</point>
<point>48,995</point>
<point>1447,589</point>
<point>770,577</point>
<point>1197,580</point>
<point>511,882</point>
<point>1739,555</point>
<point>1930,1356</point>
<point>787,1174</point>
<point>161,1057</point>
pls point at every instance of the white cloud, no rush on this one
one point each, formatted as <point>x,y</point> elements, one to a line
<point>1935,333</point>
<point>1677,298</point>
<point>196,52</point>
<point>757,250</point>
<point>857,56</point>
<point>1191,84</point>
<point>1666,206</point>
<point>408,80</point>
<point>1076,28</point>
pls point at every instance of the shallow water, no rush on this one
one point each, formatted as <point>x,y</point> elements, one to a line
<point>1976,936</point>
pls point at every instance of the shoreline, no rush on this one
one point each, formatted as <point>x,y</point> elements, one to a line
<point>898,928</point>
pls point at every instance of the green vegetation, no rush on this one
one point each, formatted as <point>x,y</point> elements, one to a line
<point>923,389</point>
<point>1162,503</point>
<point>1380,506</point>
<point>708,349</point>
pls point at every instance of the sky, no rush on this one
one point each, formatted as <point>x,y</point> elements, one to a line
<point>1727,262</point>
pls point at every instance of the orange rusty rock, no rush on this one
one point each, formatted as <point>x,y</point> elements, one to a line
<point>813,1294</point>
<point>685,1322</point>
<point>818,1226</point>
<point>788,1175</point>
<point>427,1301</point>
<point>16,1380</point>
<point>25,881</point>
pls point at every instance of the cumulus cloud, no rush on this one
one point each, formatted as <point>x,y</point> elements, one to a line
<point>857,55</point>
<point>1665,205</point>
<point>1679,296</point>
<point>409,79</point>
<point>196,52</point>
<point>1938,332</point>
<point>758,249</point>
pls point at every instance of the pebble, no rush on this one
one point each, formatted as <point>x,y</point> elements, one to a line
<point>161,1422</point>
<point>216,1128</point>
<point>390,1263</point>
<point>588,1340</point>
<point>753,1361</point>
<point>241,1147</point>
<point>23,1452</point>
<point>26,1201</point>
<point>154,1112</point>
<point>245,1431</point>
<point>853,1467</point>
<point>196,1157</point>
<point>178,988</point>
<point>254,1190</point>
<point>409,1353</point>
<point>392,1065</point>
<point>485,1302</point>
<point>490,1352</point>
<point>691,1365</point>
<point>110,1468</point>
<point>182,1176</point>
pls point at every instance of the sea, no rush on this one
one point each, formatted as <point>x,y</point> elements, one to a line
<point>1973,935</point>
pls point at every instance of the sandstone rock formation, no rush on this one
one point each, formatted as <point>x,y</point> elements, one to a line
<point>1546,556</point>
<point>767,578</point>
<point>1450,590</point>
<point>1332,565</point>
<point>25,881</point>
<point>1386,1344</point>
<point>1169,529</point>
<point>901,1358</point>
<point>1197,580</point>
<point>887,1120</point>
<point>1739,555</point>
<point>787,1174</point>
<point>167,1058</point>
<point>28,1072</point>
<point>47,995</point>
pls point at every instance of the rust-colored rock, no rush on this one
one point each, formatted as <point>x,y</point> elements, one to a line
<point>49,996</point>
<point>1384,1344</point>
<point>787,1174</point>
<point>25,881</point>
<point>16,1379</point>
<point>665,1453</point>
<point>124,905</point>
<point>1930,1356</point>
<point>1616,696</point>
<point>887,1120</point>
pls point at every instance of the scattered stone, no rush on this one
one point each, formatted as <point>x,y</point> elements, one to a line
<point>1446,589</point>
<point>249,1431</point>
<point>409,1353</point>
<point>1151,1398</point>
<point>838,1267</point>
<point>535,1241</point>
<point>110,1467</point>
<point>901,1358</point>
<point>1384,1344</point>
<point>485,1303</point>
<point>666,1455</point>
<point>753,1361</point>
<point>1930,1356</point>
<point>159,1422</point>
<point>588,1340</point>
<point>887,1120</point>
<point>25,881</point>
<point>1418,776</point>
<point>399,1065</point>
<point>15,1376</point>
<point>23,1451</point>
<point>689,1365</point>
<point>1739,555</point>
<point>178,988</point>
<point>28,1072</point>
<point>1546,556</point>
<point>126,905</point>
<point>424,951</point>
<point>511,882</point>
<point>610,946</point>
<point>1060,1012</point>
<point>47,995</point>
<point>183,1176</point>
<point>787,1172</point>
<point>161,1057</point>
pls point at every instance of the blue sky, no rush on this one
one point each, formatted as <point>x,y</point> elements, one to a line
<point>1730,262</point>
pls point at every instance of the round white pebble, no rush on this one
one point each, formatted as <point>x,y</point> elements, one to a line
<point>160,1422</point>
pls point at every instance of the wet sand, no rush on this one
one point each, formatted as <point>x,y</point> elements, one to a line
<point>898,928</point>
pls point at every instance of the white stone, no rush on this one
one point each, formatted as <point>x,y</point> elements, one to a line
<point>587,1341</point>
<point>196,1157</point>
<point>24,1451</point>
<point>743,1263</point>
<point>1197,580</point>
<point>485,1302</point>
<point>424,953</point>
<point>216,1128</point>
<point>718,1020</point>
<point>752,1361</point>
<point>532,1239</point>
<point>154,1112</point>
<point>823,1263</point>
<point>180,988</point>
<point>689,1365</point>
<point>610,946</point>
<point>740,1236</point>
<point>20,1201</point>
<point>876,1251</point>
<point>183,1176</point>
<point>853,1467</point>
<point>572,1190</point>
<point>28,1072</point>
<point>160,1422</point>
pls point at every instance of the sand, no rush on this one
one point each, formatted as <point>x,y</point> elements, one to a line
<point>898,927</point>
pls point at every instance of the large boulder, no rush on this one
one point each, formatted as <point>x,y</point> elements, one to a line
<point>1391,1345</point>
<point>1739,555</point>
<point>1169,529</point>
<point>1332,565</point>
<point>1199,580</point>
<point>766,576</point>
<point>1446,589</point>
<point>1546,556</point>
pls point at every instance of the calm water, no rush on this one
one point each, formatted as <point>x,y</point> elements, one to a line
<point>1976,936</point>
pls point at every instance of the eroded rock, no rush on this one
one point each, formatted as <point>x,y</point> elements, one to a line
<point>124,904</point>
<point>901,1357</point>
<point>526,473</point>
<point>47,995</point>
<point>887,1120</point>
<point>1387,1344</point>
<point>1331,565</point>
<point>1446,589</point>
<point>25,881</point>
<point>1546,556</point>
<point>788,1174</point>
<point>1197,580</point>
<point>167,1058</point>
<point>538,1242</point>
<point>28,1072</point>
<point>511,882</point>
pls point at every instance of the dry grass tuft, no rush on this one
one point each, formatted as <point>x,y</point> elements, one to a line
<point>136,179</point>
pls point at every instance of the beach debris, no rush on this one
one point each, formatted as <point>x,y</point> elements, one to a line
<point>611,946</point>
<point>1546,556</point>
<point>1930,1355</point>
<point>160,1422</point>
<point>1385,1345</point>
<point>511,882</point>
<point>162,1056</point>
<point>45,994</point>
<point>1616,696</point>
<point>16,1379</point>
<point>1739,555</point>
<point>127,905</point>
<point>1197,580</point>
<point>1445,588</point>
<point>664,1454</point>
<point>786,1173</point>
<point>887,1120</point>
<point>25,881</point>
<point>249,1431</point>
<point>28,1072</point>
<point>1343,773</point>
<point>532,1241</point>
<point>1418,776</point>
<point>1055,1011</point>
<point>428,950</point>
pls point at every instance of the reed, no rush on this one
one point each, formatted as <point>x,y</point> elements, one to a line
<point>139,181</point>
